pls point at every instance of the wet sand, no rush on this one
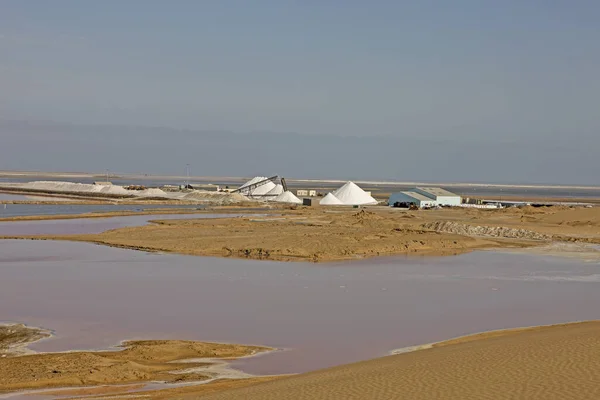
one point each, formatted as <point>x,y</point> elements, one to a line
<point>14,338</point>
<point>170,361</point>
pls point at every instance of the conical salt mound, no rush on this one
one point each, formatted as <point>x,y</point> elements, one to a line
<point>276,191</point>
<point>254,180</point>
<point>288,197</point>
<point>352,195</point>
<point>261,190</point>
<point>330,200</point>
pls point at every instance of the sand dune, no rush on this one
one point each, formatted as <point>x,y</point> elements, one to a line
<point>547,363</point>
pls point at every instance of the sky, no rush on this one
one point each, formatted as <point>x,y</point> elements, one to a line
<point>516,80</point>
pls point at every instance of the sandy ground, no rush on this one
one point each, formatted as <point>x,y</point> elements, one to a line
<point>138,361</point>
<point>547,363</point>
<point>332,234</point>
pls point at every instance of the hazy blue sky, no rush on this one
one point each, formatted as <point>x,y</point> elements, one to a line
<point>503,71</point>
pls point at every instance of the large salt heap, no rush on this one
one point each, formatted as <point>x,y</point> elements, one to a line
<point>352,195</point>
<point>287,197</point>
<point>85,188</point>
<point>258,191</point>
<point>330,200</point>
<point>273,193</point>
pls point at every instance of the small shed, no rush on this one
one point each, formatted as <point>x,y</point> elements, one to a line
<point>306,192</point>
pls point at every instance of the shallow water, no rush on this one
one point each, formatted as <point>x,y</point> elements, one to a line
<point>7,196</point>
<point>78,226</point>
<point>324,314</point>
<point>17,210</point>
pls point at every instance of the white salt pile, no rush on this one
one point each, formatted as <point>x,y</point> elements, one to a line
<point>276,191</point>
<point>211,196</point>
<point>151,192</point>
<point>288,197</point>
<point>330,200</point>
<point>352,195</point>
<point>199,196</point>
<point>70,187</point>
<point>258,191</point>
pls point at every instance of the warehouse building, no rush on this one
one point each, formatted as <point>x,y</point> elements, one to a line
<point>441,196</point>
<point>426,197</point>
<point>406,199</point>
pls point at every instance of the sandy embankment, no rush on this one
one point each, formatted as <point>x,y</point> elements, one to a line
<point>558,362</point>
<point>319,234</point>
<point>305,235</point>
<point>172,361</point>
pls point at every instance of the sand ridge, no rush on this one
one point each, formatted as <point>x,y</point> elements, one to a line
<point>342,233</point>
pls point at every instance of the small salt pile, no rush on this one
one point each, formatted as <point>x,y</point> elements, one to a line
<point>352,195</point>
<point>330,200</point>
<point>287,197</point>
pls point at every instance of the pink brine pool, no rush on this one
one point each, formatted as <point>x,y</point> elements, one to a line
<point>320,314</point>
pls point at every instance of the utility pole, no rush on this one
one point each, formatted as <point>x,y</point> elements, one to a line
<point>107,175</point>
<point>187,170</point>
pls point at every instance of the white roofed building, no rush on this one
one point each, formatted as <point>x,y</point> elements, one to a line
<point>408,198</point>
<point>441,196</point>
<point>426,197</point>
